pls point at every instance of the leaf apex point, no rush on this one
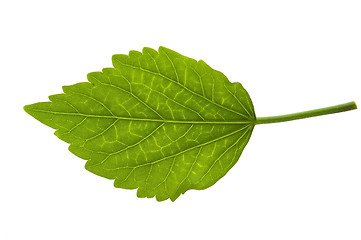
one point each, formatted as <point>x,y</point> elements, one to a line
<point>27,108</point>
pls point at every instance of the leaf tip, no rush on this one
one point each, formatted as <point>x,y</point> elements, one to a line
<point>29,109</point>
<point>26,108</point>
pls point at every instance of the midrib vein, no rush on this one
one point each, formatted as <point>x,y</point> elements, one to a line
<point>141,119</point>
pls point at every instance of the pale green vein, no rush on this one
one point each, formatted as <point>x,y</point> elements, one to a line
<point>241,147</point>
<point>212,87</point>
<point>172,64</point>
<point>130,146</point>
<point>169,79</point>
<point>184,151</point>
<point>155,63</point>
<point>149,173</point>
<point>136,97</point>
<point>181,136</point>
<point>166,177</point>
<point>94,99</point>
<point>103,131</point>
<point>71,105</point>
<point>190,169</point>
<point>221,155</point>
<point>178,103</point>
<point>200,80</point>
<point>237,100</point>
<point>77,125</point>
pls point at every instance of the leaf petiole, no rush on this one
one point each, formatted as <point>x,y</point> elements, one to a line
<point>312,113</point>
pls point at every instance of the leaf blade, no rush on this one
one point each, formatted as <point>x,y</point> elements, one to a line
<point>158,121</point>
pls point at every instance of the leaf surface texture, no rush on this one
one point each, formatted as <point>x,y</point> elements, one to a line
<point>158,121</point>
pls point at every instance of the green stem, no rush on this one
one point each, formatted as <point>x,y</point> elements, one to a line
<point>313,113</point>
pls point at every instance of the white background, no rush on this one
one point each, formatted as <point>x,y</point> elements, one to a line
<point>295,180</point>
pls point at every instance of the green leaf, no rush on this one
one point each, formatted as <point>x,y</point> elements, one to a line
<point>158,121</point>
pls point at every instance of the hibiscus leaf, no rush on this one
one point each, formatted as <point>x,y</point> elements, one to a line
<point>158,121</point>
